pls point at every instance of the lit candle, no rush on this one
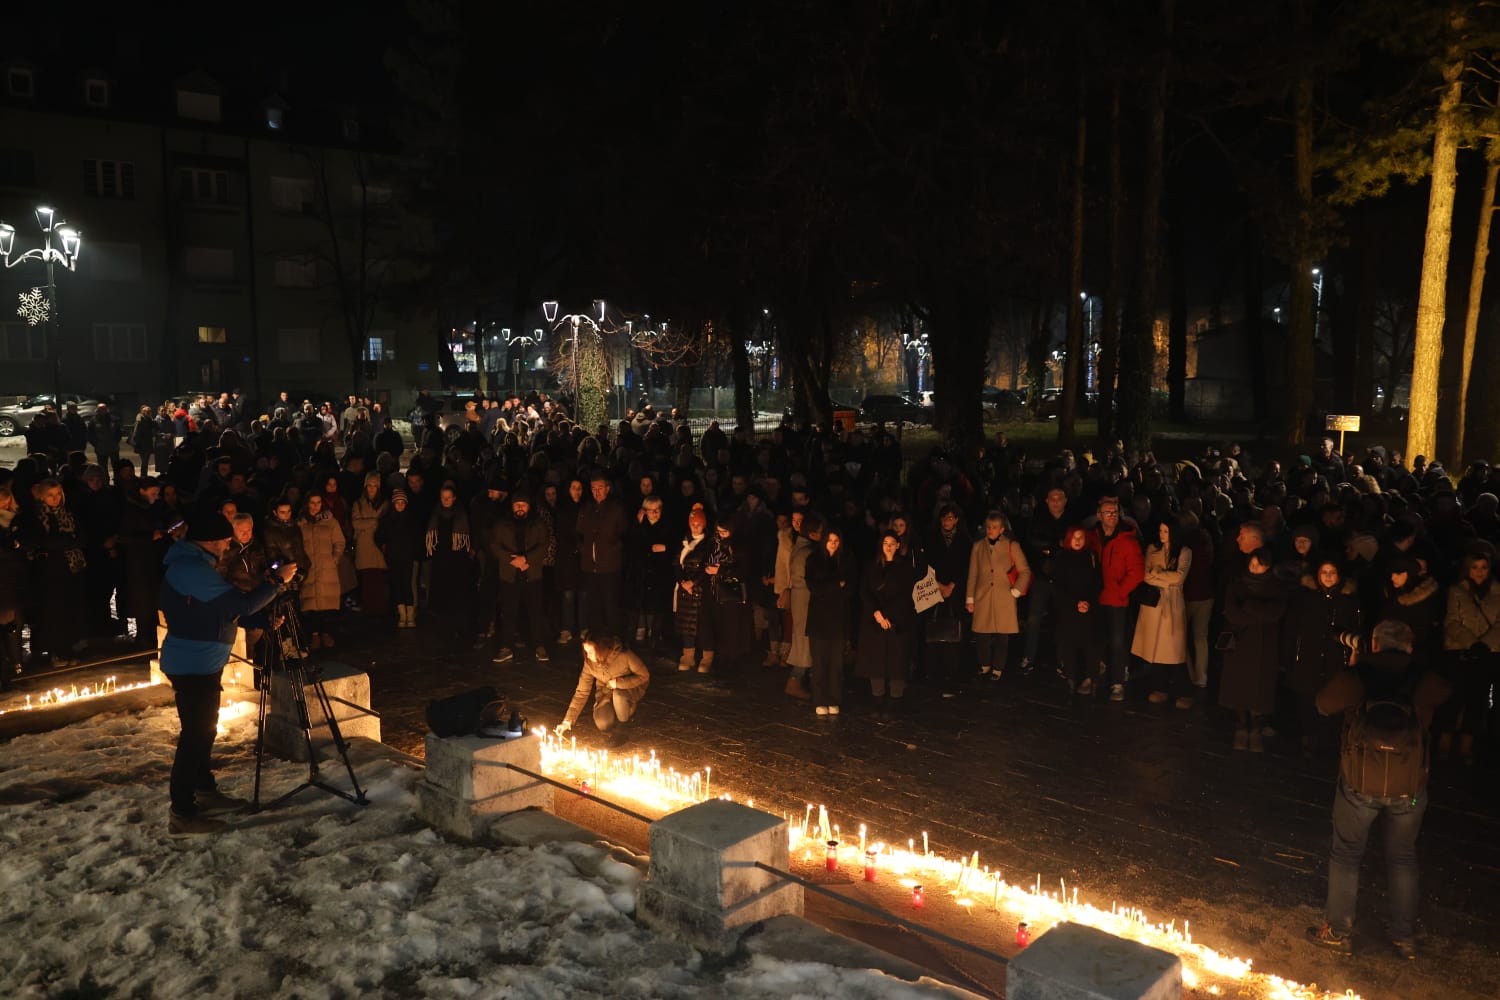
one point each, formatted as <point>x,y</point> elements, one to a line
<point>708,781</point>
<point>870,866</point>
<point>916,896</point>
<point>925,852</point>
<point>831,856</point>
<point>1023,935</point>
<point>861,836</point>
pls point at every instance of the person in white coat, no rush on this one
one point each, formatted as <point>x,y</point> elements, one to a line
<point>1161,632</point>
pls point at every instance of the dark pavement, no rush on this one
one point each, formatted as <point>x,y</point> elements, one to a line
<point>1135,803</point>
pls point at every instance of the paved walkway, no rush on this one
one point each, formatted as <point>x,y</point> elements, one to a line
<point>1134,803</point>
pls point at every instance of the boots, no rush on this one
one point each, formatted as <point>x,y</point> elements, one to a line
<point>797,689</point>
<point>686,663</point>
<point>706,663</point>
<point>408,616</point>
<point>773,656</point>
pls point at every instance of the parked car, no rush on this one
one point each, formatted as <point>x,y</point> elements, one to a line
<point>894,407</point>
<point>16,417</point>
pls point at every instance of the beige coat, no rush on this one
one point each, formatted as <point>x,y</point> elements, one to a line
<point>625,668</point>
<point>324,541</point>
<point>365,517</point>
<point>1161,632</point>
<point>988,592</point>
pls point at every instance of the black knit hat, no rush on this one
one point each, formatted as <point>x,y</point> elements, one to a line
<point>211,527</point>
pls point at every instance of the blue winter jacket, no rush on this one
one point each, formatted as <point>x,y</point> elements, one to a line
<point>202,609</point>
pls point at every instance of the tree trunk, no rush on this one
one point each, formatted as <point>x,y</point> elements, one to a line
<point>1109,332</point>
<point>1254,326</point>
<point>1074,346</point>
<point>1427,353</point>
<point>959,335</point>
<point>1137,347</point>
<point>1302,323</point>
<point>1476,300</point>
<point>1177,320</point>
<point>1365,291</point>
<point>744,402</point>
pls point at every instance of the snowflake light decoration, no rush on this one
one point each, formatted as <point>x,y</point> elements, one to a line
<point>34,306</point>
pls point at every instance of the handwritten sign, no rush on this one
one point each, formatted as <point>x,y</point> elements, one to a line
<point>926,593</point>
<point>1342,422</point>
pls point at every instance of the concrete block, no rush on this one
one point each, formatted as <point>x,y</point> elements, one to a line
<point>467,786</point>
<point>1074,962</point>
<point>704,887</point>
<point>284,731</point>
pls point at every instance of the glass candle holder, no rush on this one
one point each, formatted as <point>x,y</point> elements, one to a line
<point>831,856</point>
<point>916,896</point>
<point>869,866</point>
<point>1023,934</point>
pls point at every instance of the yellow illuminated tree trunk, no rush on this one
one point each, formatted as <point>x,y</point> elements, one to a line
<point>1421,429</point>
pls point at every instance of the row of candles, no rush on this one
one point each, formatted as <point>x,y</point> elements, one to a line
<point>76,692</point>
<point>647,781</point>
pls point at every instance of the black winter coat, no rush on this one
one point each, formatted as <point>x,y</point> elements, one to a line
<point>832,586</point>
<point>283,544</point>
<point>1253,609</point>
<point>886,587</point>
<point>400,535</point>
<point>1319,616</point>
<point>650,577</point>
<point>690,567</point>
<point>1075,577</point>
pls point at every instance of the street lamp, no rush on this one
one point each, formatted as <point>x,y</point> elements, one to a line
<point>1089,358</point>
<point>575,320</point>
<point>39,305</point>
<point>1317,275</point>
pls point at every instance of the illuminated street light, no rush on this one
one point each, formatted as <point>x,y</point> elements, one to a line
<point>39,305</point>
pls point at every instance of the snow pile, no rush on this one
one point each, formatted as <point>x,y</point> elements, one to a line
<point>319,898</point>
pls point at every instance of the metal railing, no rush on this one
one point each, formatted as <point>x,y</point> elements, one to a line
<point>626,810</point>
<point>884,915</point>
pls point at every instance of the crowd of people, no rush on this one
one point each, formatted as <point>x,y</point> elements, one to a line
<point>518,531</point>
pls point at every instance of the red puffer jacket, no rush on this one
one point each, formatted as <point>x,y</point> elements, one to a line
<point>1121,562</point>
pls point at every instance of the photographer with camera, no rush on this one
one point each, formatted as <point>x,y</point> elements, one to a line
<point>202,610</point>
<point>1388,704</point>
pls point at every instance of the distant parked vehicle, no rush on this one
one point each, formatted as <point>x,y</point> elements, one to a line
<point>892,408</point>
<point>16,417</point>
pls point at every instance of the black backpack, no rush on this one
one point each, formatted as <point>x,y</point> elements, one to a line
<point>1384,750</point>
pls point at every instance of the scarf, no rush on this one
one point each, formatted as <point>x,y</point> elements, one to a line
<point>689,544</point>
<point>459,522</point>
<point>59,521</point>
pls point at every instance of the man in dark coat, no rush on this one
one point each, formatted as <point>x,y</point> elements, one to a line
<point>602,526</point>
<point>104,433</point>
<point>517,546</point>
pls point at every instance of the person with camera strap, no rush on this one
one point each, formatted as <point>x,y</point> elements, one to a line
<point>202,610</point>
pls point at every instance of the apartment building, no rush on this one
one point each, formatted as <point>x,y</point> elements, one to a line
<point>229,240</point>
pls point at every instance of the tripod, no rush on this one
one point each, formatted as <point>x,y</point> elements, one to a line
<point>285,630</point>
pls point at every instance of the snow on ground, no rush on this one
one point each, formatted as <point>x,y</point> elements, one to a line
<point>319,898</point>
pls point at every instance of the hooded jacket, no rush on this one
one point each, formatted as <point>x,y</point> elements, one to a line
<point>202,610</point>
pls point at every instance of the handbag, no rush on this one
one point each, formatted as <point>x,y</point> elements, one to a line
<point>945,630</point>
<point>1147,595</point>
<point>730,592</point>
<point>1013,574</point>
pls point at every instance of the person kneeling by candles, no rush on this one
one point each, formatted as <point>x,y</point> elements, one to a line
<point>618,680</point>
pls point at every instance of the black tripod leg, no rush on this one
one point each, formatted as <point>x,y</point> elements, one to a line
<point>338,739</point>
<point>271,650</point>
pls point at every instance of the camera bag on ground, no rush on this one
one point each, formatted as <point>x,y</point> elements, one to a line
<point>1384,750</point>
<point>462,714</point>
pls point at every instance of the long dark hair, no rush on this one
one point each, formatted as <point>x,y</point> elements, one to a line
<point>1174,541</point>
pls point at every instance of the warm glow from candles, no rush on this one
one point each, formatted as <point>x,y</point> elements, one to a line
<point>68,695</point>
<point>663,789</point>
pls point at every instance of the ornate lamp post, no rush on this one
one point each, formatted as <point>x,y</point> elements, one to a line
<point>39,305</point>
<point>575,320</point>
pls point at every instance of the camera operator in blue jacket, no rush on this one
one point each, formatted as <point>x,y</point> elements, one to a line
<point>202,609</point>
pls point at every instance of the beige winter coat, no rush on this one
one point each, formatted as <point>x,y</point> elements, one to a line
<point>1472,618</point>
<point>625,668</point>
<point>365,517</point>
<point>1161,632</point>
<point>989,587</point>
<point>324,541</point>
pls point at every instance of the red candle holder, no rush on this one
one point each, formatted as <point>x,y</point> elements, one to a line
<point>916,896</point>
<point>869,866</point>
<point>1023,934</point>
<point>831,856</point>
<point>583,786</point>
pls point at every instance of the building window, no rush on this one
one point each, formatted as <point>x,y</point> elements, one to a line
<point>291,194</point>
<point>21,342</point>
<point>208,186</point>
<point>213,335</point>
<point>275,118</point>
<point>17,168</point>
<point>351,129</point>
<point>109,178</point>
<point>119,342</point>
<point>199,107</point>
<point>296,272</point>
<point>380,345</point>
<point>208,262</point>
<point>96,93</point>
<point>115,261</point>
<point>19,82</point>
<point>298,347</point>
